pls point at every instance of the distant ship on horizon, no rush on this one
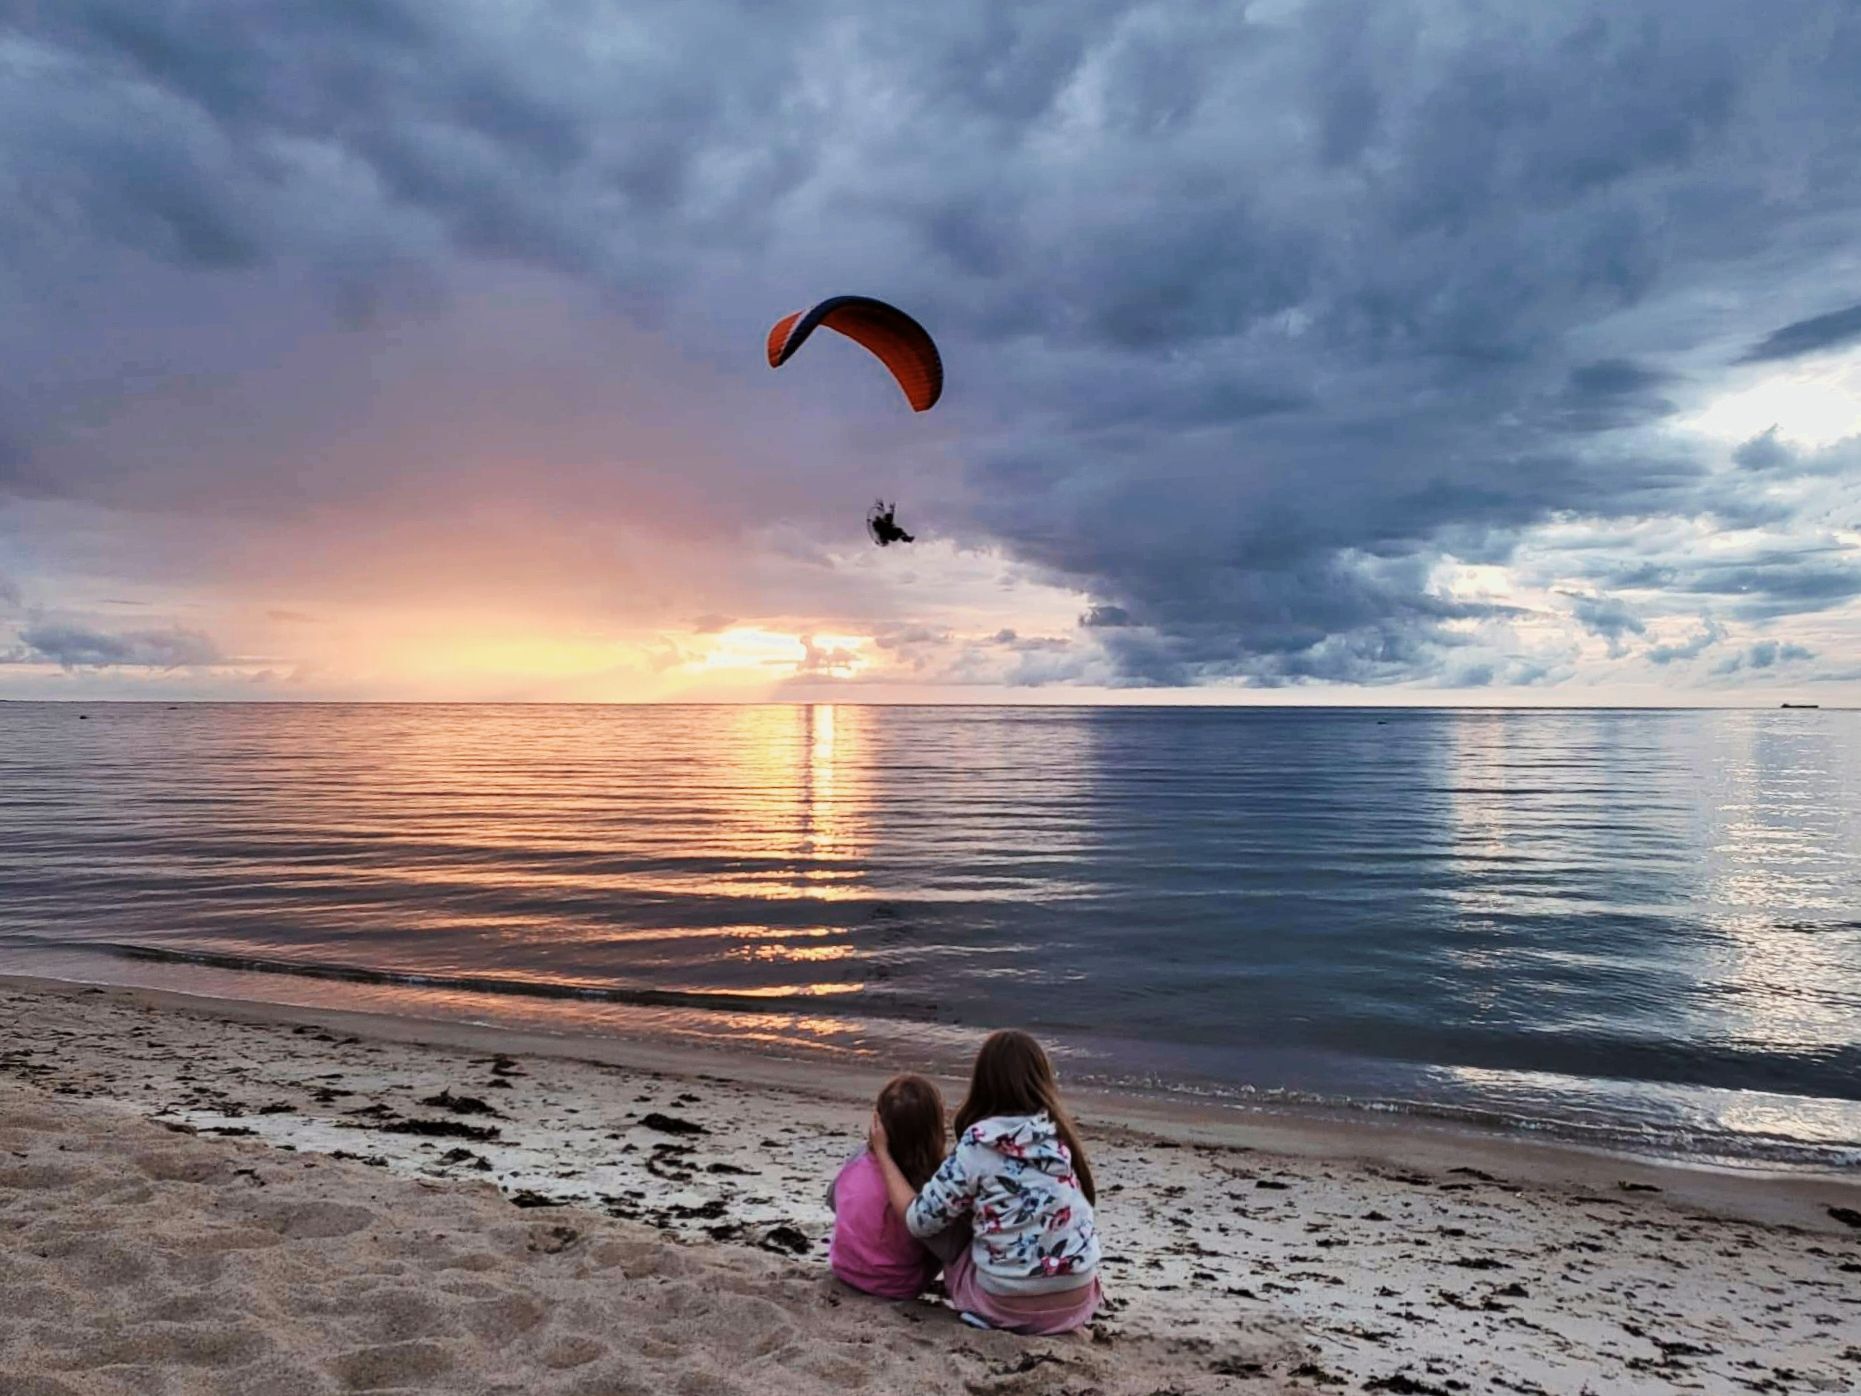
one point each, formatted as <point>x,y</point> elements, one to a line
<point>1801,705</point>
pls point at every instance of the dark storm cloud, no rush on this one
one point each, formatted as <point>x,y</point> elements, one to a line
<point>1612,394</point>
<point>81,647</point>
<point>1254,317</point>
<point>1809,336</point>
<point>1781,583</point>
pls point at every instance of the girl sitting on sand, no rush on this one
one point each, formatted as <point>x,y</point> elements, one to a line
<point>871,1249</point>
<point>1021,1176</point>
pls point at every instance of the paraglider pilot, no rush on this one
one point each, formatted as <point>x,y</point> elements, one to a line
<point>885,530</point>
<point>896,340</point>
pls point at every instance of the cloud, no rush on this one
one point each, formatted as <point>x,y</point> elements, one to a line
<point>1810,336</point>
<point>1105,618</point>
<point>1259,320</point>
<point>1781,581</point>
<point>1710,633</point>
<point>1765,452</point>
<point>1765,654</point>
<point>826,660</point>
<point>1609,617</point>
<point>80,647</point>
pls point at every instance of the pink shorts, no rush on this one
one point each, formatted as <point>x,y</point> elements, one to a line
<point>1040,1315</point>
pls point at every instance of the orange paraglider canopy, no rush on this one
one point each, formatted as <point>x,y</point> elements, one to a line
<point>899,342</point>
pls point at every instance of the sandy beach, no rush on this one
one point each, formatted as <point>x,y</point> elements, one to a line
<point>205,1197</point>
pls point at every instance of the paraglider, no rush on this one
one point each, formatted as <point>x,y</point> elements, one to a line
<point>897,341</point>
<point>893,337</point>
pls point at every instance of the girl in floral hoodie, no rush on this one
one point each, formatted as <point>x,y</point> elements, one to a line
<point>1021,1176</point>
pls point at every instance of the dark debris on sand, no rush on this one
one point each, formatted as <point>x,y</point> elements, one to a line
<point>1404,1385</point>
<point>441,1129</point>
<point>671,1124</point>
<point>526,1197</point>
<point>460,1104</point>
<point>785,1240</point>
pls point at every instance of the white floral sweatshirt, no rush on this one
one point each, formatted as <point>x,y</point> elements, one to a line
<point>1032,1227</point>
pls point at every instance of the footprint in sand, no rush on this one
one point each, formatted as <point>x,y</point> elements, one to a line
<point>393,1365</point>
<point>37,1386</point>
<point>569,1352</point>
<point>177,1165</point>
<point>317,1221</point>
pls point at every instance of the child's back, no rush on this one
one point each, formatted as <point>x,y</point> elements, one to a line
<point>1034,1228</point>
<point>871,1248</point>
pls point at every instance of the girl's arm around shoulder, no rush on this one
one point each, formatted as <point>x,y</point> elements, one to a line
<point>950,1193</point>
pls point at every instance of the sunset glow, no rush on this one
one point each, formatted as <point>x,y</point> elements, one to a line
<point>295,411</point>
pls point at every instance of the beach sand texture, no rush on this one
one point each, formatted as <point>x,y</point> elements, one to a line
<point>195,1202</point>
<point>140,1260</point>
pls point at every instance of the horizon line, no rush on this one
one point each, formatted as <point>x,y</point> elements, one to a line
<point>869,703</point>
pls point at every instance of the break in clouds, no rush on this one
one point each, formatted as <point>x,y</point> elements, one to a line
<point>1456,344</point>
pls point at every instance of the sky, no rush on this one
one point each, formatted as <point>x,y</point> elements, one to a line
<point>1337,351</point>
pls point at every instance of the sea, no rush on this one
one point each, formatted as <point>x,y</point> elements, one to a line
<point>1633,929</point>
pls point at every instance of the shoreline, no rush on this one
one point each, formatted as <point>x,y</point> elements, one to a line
<point>1348,1256</point>
<point>1612,1124</point>
<point>1755,1189</point>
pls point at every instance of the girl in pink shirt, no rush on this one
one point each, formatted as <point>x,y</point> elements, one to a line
<point>871,1248</point>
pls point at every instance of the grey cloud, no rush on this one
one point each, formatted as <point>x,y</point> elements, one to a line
<point>1250,322</point>
<point>1809,336</point>
<point>904,637</point>
<point>1030,644</point>
<point>1770,455</point>
<point>1781,582</point>
<point>1764,654</point>
<point>1710,633</point>
<point>1765,452</point>
<point>81,647</point>
<point>921,648</point>
<point>1614,378</point>
<point>1609,617</point>
<point>1611,395</point>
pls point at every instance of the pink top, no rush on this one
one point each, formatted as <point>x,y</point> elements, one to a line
<point>871,1249</point>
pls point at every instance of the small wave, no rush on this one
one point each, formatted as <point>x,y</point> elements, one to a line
<point>710,1000</point>
<point>1641,1139</point>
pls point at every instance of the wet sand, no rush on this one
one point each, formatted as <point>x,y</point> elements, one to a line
<point>211,1197</point>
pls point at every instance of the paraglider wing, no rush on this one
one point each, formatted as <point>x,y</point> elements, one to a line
<point>898,341</point>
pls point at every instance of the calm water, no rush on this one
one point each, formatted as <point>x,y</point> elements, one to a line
<point>1640,928</point>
